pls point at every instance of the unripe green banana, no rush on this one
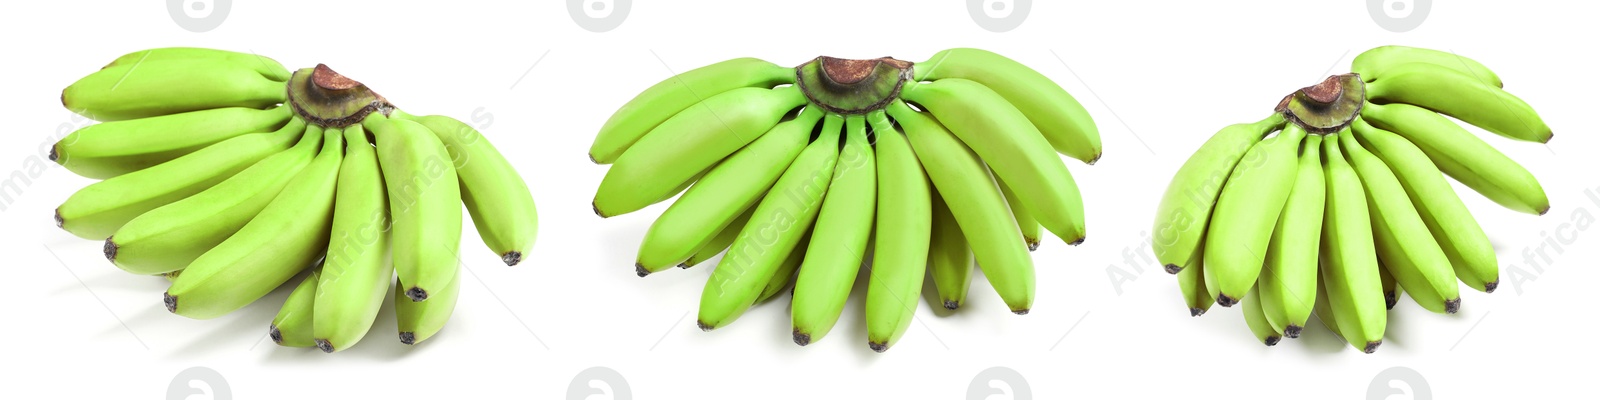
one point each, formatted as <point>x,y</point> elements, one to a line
<point>1288,281</point>
<point>777,225</point>
<point>172,236</point>
<point>284,239</point>
<point>152,88</point>
<point>903,228</point>
<point>1462,155</point>
<point>720,242</point>
<point>110,149</point>
<point>1458,95</point>
<point>1455,229</point>
<point>98,210</point>
<point>1380,61</point>
<point>495,195</point>
<point>669,97</point>
<point>723,194</point>
<point>1349,265</point>
<point>974,199</point>
<point>424,203</point>
<point>949,257</point>
<point>355,273</point>
<point>1403,242</point>
<point>420,320</point>
<point>1030,226</point>
<point>1391,287</point>
<point>1013,148</point>
<point>1057,115</point>
<point>839,239</point>
<point>268,67</point>
<point>1192,283</point>
<point>292,326</point>
<point>690,142</point>
<point>1246,212</point>
<point>1185,209</point>
<point>786,271</point>
<point>1257,320</point>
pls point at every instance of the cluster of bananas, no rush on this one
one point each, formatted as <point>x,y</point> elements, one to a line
<point>1347,205</point>
<point>798,172</point>
<point>230,175</point>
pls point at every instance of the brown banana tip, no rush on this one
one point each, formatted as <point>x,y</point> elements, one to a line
<point>1546,210</point>
<point>1372,346</point>
<point>1095,159</point>
<point>596,210</point>
<point>275,334</point>
<point>1272,340</point>
<point>59,222</point>
<point>877,347</point>
<point>1173,269</point>
<point>1020,312</point>
<point>1390,299</point>
<point>593,159</point>
<point>639,269</point>
<point>1033,244</point>
<point>1225,301</point>
<point>324,345</point>
<point>951,304</point>
<point>801,338</point>
<point>1078,242</point>
<point>416,294</point>
<point>1489,287</point>
<point>1547,139</point>
<point>409,338</point>
<point>110,249</point>
<point>1453,305</point>
<point>684,265</point>
<point>1196,311</point>
<point>170,301</point>
<point>1292,331</point>
<point>64,102</point>
<point>704,327</point>
<point>511,258</point>
<point>54,156</point>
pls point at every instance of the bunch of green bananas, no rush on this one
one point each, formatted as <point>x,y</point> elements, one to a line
<point>230,175</point>
<point>799,172</point>
<point>1347,205</point>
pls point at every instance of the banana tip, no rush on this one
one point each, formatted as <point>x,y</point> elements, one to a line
<point>511,258</point>
<point>1077,242</point>
<point>1173,269</point>
<point>1489,287</point>
<point>1033,244</point>
<point>801,338</point>
<point>1095,159</point>
<point>877,347</point>
<point>110,248</point>
<point>596,208</point>
<point>593,159</point>
<point>1453,305</point>
<point>1020,312</point>
<point>1546,210</point>
<point>1371,347</point>
<point>275,334</point>
<point>1292,331</point>
<point>60,222</point>
<point>54,155</point>
<point>170,301</point>
<point>1225,301</point>
<point>705,327</point>
<point>639,269</point>
<point>1196,311</point>
<point>1390,299</point>
<point>409,338</point>
<point>685,265</point>
<point>324,345</point>
<point>1272,340</point>
<point>416,294</point>
<point>951,304</point>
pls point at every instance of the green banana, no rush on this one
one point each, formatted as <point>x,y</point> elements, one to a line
<point>728,190</point>
<point>1402,240</point>
<point>777,225</point>
<point>786,271</point>
<point>285,238</point>
<point>1030,226</point>
<point>663,100</point>
<point>690,142</point>
<point>1462,155</point>
<point>98,210</point>
<point>172,236</point>
<point>1456,231</point>
<point>110,149</point>
<point>904,226</point>
<point>424,203</point>
<point>1391,287</point>
<point>720,242</point>
<point>420,320</point>
<point>292,326</point>
<point>495,195</point>
<point>1057,115</point>
<point>1349,266</point>
<point>1256,319</point>
<point>355,275</point>
<point>1012,146</point>
<point>1246,212</point>
<point>1377,63</point>
<point>153,88</point>
<point>1324,312</point>
<point>949,258</point>
<point>1462,96</point>
<point>839,239</point>
<point>1288,280</point>
<point>975,201</point>
<point>1186,207</point>
<point>267,67</point>
<point>1192,283</point>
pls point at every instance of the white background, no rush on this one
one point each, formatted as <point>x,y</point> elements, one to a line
<point>1159,78</point>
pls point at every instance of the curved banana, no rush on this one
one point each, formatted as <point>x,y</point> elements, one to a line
<point>424,203</point>
<point>975,201</point>
<point>690,142</point>
<point>1030,226</point>
<point>663,100</point>
<point>292,326</point>
<point>1288,282</point>
<point>1458,95</point>
<point>98,210</point>
<point>420,320</point>
<point>355,273</point>
<point>1349,265</point>
<point>1246,212</point>
<point>172,236</point>
<point>495,195</point>
<point>1012,146</point>
<point>153,88</point>
<point>1185,209</point>
<point>110,149</point>
<point>1403,242</point>
<point>903,228</point>
<point>780,220</point>
<point>1192,284</point>
<point>1256,319</point>
<point>949,258</point>
<point>1452,225</point>
<point>267,67</point>
<point>286,238</point>
<point>724,193</point>
<point>718,243</point>
<point>1462,155</point>
<point>839,239</point>
<point>786,271</point>
<point>1057,115</point>
<point>1377,63</point>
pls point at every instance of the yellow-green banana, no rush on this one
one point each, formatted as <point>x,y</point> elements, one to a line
<point>424,203</point>
<point>1057,115</point>
<point>1462,155</point>
<point>1030,226</point>
<point>1192,284</point>
<point>1288,282</point>
<point>152,88</point>
<point>495,195</point>
<point>292,326</point>
<point>839,239</point>
<point>267,67</point>
<point>669,97</point>
<point>110,149</point>
<point>786,271</point>
<point>1185,209</point>
<point>1246,213</point>
<point>1256,319</point>
<point>1462,96</point>
<point>903,228</point>
<point>949,257</point>
<point>420,320</point>
<point>720,242</point>
<point>1401,239</point>
<point>355,273</point>
<point>1349,265</point>
<point>1380,61</point>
